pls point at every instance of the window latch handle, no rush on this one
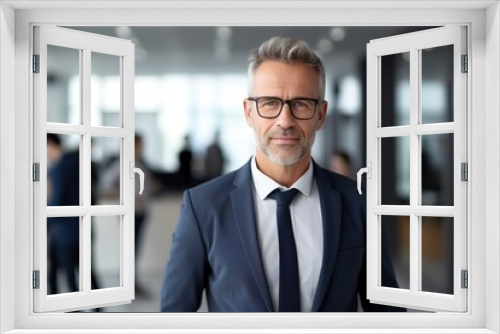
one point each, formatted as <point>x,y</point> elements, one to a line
<point>141,176</point>
<point>368,171</point>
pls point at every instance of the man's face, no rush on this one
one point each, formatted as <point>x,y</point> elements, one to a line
<point>284,140</point>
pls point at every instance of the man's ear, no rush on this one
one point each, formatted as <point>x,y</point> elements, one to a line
<point>247,108</point>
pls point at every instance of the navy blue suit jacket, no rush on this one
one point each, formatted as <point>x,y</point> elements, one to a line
<point>215,247</point>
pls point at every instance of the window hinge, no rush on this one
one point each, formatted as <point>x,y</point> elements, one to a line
<point>465,279</point>
<point>464,171</point>
<point>465,64</point>
<point>36,63</point>
<point>36,172</point>
<point>36,279</point>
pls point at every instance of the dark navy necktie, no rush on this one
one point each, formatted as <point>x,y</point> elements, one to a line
<point>289,294</point>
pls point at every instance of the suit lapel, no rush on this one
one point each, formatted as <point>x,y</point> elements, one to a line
<point>244,215</point>
<point>331,213</point>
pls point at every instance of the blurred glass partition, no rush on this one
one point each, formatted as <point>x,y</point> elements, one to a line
<point>395,89</point>
<point>63,85</point>
<point>437,85</point>
<point>105,90</point>
<point>437,254</point>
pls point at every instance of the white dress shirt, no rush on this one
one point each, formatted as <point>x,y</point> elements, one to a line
<point>307,227</point>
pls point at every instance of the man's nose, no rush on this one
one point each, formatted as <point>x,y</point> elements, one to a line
<point>285,118</point>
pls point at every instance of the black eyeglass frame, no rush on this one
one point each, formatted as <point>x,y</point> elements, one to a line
<point>283,102</point>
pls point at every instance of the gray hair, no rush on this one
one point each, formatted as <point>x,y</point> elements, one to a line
<point>288,51</point>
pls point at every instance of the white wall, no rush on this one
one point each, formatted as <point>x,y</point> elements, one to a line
<point>492,161</point>
<point>7,160</point>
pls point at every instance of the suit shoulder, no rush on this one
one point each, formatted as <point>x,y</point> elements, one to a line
<point>342,183</point>
<point>215,187</point>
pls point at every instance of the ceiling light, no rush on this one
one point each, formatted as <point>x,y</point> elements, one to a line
<point>223,33</point>
<point>324,46</point>
<point>123,32</point>
<point>337,34</point>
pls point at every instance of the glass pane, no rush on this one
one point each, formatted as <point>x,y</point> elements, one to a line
<point>106,252</point>
<point>105,171</point>
<point>63,260</point>
<point>437,84</point>
<point>395,170</point>
<point>396,237</point>
<point>395,89</point>
<point>63,85</point>
<point>63,170</point>
<point>106,89</point>
<point>437,254</point>
<point>437,169</point>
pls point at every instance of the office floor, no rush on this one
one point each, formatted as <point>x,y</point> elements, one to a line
<point>152,256</point>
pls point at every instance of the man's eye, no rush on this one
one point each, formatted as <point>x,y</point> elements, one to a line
<point>269,103</point>
<point>300,104</point>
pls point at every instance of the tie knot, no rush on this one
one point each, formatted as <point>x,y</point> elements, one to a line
<point>284,198</point>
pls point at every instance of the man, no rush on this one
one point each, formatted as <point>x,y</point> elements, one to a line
<point>227,241</point>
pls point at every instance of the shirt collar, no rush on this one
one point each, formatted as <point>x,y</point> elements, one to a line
<point>264,185</point>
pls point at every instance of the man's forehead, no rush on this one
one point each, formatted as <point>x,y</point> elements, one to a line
<point>277,74</point>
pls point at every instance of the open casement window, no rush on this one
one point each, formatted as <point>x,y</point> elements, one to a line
<point>71,217</point>
<point>417,108</point>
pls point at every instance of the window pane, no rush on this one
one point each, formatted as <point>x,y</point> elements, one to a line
<point>437,254</point>
<point>106,171</point>
<point>106,252</point>
<point>63,170</point>
<point>437,169</point>
<point>63,85</point>
<point>395,170</point>
<point>63,262</point>
<point>397,239</point>
<point>437,84</point>
<point>395,89</point>
<point>105,90</point>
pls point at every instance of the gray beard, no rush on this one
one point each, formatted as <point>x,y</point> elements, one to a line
<point>290,159</point>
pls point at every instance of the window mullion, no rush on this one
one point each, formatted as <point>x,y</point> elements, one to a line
<point>415,260</point>
<point>433,129</point>
<point>127,120</point>
<point>67,129</point>
<point>85,184</point>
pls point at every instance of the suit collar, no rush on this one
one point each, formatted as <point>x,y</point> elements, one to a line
<point>331,215</point>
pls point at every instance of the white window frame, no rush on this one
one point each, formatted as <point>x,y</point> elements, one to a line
<point>414,44</point>
<point>483,21</point>
<point>85,44</point>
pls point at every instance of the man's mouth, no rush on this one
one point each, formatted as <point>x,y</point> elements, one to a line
<point>285,140</point>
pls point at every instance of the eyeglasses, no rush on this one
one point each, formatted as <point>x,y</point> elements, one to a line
<point>270,107</point>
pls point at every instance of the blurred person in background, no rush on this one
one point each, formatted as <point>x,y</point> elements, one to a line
<point>185,171</point>
<point>340,163</point>
<point>110,186</point>
<point>214,159</point>
<point>63,186</point>
<point>239,242</point>
<point>63,232</point>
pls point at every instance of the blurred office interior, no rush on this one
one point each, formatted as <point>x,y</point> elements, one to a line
<point>189,86</point>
